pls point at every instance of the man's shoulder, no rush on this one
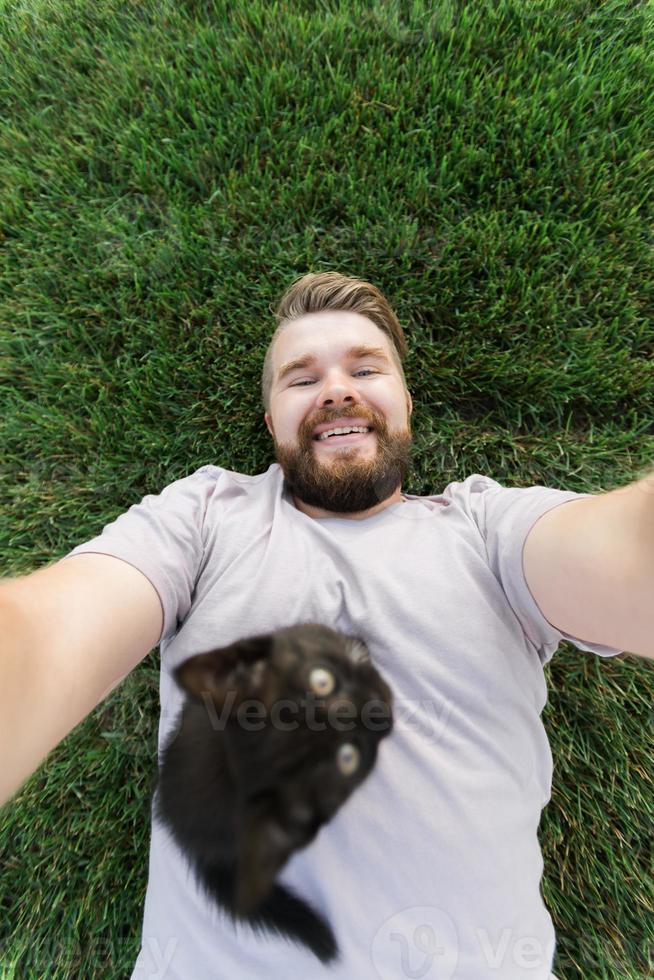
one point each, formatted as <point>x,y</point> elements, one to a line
<point>216,472</point>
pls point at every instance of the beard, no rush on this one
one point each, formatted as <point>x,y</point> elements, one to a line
<point>348,481</point>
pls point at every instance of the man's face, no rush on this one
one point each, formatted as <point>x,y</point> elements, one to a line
<point>340,474</point>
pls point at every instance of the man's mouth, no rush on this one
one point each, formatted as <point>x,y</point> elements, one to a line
<point>343,440</point>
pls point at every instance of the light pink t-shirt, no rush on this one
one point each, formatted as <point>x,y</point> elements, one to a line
<point>432,868</point>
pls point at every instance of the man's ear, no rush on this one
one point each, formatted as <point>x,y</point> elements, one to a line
<point>409,403</point>
<point>268,420</point>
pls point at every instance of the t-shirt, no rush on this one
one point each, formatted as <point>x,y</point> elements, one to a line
<point>432,868</point>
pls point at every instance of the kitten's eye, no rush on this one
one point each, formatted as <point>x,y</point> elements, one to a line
<point>348,758</point>
<point>322,681</point>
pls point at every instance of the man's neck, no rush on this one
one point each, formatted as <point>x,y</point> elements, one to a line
<point>312,511</point>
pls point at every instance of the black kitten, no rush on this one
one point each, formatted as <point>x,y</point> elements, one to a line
<point>278,731</point>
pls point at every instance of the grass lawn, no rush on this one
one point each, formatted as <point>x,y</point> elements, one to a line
<point>166,170</point>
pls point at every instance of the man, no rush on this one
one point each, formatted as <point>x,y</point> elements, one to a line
<point>433,867</point>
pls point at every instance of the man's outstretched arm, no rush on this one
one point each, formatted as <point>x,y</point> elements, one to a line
<point>589,565</point>
<point>69,633</point>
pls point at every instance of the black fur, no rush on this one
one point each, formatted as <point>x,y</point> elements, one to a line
<point>243,787</point>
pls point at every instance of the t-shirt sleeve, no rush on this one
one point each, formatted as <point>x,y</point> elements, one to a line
<point>504,517</point>
<point>162,536</point>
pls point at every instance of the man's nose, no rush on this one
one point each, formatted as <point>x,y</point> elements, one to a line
<point>338,390</point>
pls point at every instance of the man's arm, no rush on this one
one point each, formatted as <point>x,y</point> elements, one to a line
<point>69,633</point>
<point>589,565</point>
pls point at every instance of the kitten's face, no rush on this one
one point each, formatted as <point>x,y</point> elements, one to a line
<point>307,710</point>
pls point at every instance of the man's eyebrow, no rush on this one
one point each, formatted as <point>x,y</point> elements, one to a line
<point>354,353</point>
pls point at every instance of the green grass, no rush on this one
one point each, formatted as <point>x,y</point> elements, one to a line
<point>166,170</point>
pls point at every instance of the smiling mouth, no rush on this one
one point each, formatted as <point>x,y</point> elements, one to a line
<point>343,440</point>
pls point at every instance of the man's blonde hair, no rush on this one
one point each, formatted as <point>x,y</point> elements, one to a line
<point>318,291</point>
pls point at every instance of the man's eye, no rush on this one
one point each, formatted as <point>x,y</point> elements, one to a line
<point>297,384</point>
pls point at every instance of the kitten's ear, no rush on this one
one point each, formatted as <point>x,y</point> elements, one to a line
<point>357,650</point>
<point>264,847</point>
<point>236,668</point>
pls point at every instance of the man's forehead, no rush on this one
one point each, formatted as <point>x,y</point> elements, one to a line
<point>325,331</point>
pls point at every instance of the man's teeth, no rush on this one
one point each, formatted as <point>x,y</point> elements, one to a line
<point>343,431</point>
